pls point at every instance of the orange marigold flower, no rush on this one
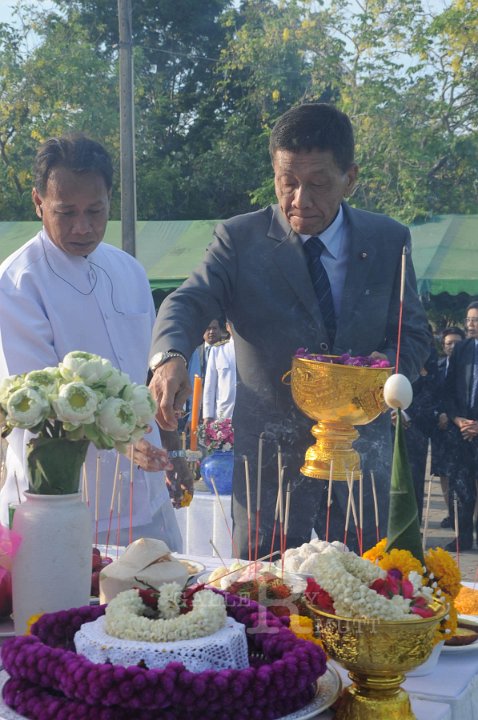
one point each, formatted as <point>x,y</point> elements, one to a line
<point>376,552</point>
<point>186,499</point>
<point>450,623</point>
<point>445,570</point>
<point>402,560</point>
<point>303,628</point>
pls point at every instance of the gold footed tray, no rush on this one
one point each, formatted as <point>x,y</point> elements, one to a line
<point>377,654</point>
<point>337,397</point>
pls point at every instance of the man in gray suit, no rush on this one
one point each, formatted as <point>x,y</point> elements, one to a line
<point>256,271</point>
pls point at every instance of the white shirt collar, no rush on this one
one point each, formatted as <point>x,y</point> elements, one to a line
<point>331,236</point>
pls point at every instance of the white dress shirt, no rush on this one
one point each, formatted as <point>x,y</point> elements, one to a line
<point>219,393</point>
<point>52,303</point>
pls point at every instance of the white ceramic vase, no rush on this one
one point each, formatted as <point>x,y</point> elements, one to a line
<point>52,568</point>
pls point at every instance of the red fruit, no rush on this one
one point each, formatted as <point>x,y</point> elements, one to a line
<point>95,583</point>
<point>5,593</point>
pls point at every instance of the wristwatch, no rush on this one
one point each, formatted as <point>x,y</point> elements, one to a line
<point>160,358</point>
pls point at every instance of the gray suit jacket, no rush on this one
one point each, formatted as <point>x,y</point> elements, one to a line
<point>255,273</point>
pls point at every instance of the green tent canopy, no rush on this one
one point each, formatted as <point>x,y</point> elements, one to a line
<point>445,250</point>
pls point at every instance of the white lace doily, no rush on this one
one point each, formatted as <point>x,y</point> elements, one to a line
<point>226,648</point>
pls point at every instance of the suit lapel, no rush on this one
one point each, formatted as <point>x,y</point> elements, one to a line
<point>361,255</point>
<point>290,259</point>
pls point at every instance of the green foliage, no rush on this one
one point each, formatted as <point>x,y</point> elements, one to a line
<point>211,77</point>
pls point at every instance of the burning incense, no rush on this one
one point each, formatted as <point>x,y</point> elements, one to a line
<point>259,488</point>
<point>131,481</point>
<point>97,497</point>
<point>112,504</point>
<point>286,522</point>
<point>427,514</point>
<point>375,505</point>
<point>281,512</point>
<point>329,500</point>
<point>229,532</point>
<point>248,506</point>
<point>400,315</point>
<point>217,552</point>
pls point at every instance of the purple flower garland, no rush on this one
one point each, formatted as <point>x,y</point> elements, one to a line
<point>49,680</point>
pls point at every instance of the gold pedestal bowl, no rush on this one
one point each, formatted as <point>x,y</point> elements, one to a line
<point>377,654</point>
<point>337,397</point>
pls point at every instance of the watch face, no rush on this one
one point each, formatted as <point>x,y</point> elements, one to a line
<point>157,359</point>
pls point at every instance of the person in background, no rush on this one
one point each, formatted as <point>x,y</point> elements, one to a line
<point>219,394</point>
<point>310,272</point>
<point>64,290</point>
<point>445,437</point>
<point>461,397</point>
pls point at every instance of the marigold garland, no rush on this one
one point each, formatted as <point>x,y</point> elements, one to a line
<point>445,570</point>
<point>49,680</point>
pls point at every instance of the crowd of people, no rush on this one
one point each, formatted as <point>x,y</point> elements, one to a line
<point>310,271</point>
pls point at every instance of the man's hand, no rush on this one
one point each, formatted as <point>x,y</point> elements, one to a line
<point>149,457</point>
<point>468,428</point>
<point>170,387</point>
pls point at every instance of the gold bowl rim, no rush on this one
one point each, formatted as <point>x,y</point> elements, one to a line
<point>442,610</point>
<point>340,365</point>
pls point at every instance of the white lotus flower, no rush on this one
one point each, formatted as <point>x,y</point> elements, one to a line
<point>116,382</point>
<point>117,419</point>
<point>27,407</point>
<point>76,404</point>
<point>8,385</point>
<point>142,401</point>
<point>46,380</point>
<point>85,367</point>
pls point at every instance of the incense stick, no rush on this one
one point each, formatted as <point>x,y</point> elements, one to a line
<point>286,522</point>
<point>112,504</point>
<point>457,529</point>
<point>97,497</point>
<point>248,506</point>
<point>18,488</point>
<point>329,501</point>
<point>400,314</point>
<point>281,512</point>
<point>131,480</point>
<point>276,514</point>
<point>361,512</point>
<point>259,488</point>
<point>218,497</point>
<point>427,514</point>
<point>217,552</point>
<point>118,528</point>
<point>347,515</point>
<point>375,505</point>
<point>86,495</point>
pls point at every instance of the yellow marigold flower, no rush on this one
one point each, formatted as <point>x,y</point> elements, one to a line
<point>445,570</point>
<point>303,628</point>
<point>402,560</point>
<point>376,552</point>
<point>186,499</point>
<point>31,621</point>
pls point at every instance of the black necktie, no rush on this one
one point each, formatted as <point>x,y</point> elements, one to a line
<point>320,280</point>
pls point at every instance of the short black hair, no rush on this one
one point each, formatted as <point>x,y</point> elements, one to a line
<point>452,330</point>
<point>315,126</point>
<point>76,152</point>
<point>472,306</point>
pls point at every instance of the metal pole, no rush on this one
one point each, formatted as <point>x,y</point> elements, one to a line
<point>127,151</point>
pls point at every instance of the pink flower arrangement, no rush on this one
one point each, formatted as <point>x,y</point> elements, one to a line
<point>345,359</point>
<point>216,435</point>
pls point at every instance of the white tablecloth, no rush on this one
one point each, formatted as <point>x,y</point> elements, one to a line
<point>207,518</point>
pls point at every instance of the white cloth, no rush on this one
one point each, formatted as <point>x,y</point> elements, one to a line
<point>219,393</point>
<point>52,303</point>
<point>224,649</point>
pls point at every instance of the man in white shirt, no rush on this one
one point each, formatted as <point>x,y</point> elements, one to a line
<point>219,394</point>
<point>65,290</point>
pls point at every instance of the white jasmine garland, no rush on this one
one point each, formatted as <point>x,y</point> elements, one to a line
<point>125,616</point>
<point>346,576</point>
